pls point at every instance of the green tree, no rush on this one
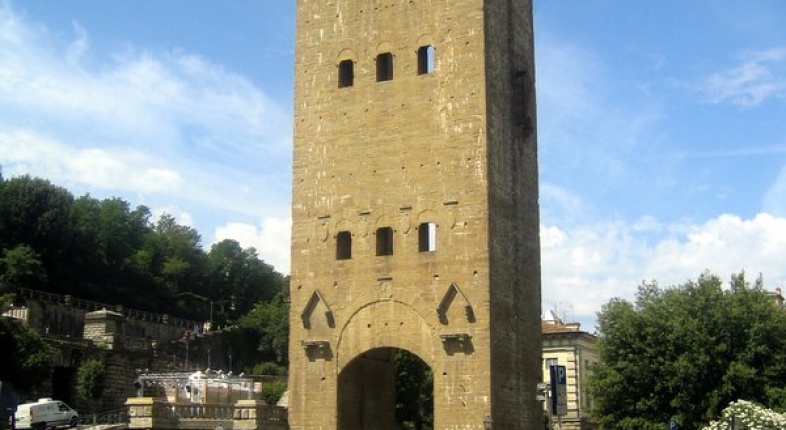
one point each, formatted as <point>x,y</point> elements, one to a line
<point>91,381</point>
<point>414,392</point>
<point>269,323</point>
<point>272,391</point>
<point>35,212</point>
<point>238,279</point>
<point>183,263</point>
<point>21,266</point>
<point>25,356</point>
<point>685,352</point>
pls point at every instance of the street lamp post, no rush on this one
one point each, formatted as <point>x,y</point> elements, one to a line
<point>186,338</point>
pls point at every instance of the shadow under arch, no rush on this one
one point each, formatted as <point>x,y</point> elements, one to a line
<point>386,389</point>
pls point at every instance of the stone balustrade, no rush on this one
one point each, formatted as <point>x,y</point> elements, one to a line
<point>152,413</point>
<point>20,313</point>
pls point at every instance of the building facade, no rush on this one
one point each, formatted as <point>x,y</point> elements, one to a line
<point>565,344</point>
<point>415,212</point>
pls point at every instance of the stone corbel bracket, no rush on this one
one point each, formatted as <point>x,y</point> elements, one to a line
<point>457,342</point>
<point>317,349</point>
<point>315,299</point>
<point>447,301</point>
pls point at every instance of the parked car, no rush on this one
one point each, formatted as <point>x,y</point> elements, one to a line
<point>45,413</point>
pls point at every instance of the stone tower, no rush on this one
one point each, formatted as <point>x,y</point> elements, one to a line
<point>415,212</point>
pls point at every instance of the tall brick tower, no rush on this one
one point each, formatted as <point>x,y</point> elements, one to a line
<point>415,212</point>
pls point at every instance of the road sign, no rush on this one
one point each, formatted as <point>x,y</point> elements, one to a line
<point>559,390</point>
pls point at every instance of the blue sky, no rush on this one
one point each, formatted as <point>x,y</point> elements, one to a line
<point>662,128</point>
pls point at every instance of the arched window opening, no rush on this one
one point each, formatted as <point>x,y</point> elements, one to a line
<point>427,237</point>
<point>346,73</point>
<point>384,67</point>
<point>384,241</point>
<point>343,245</point>
<point>426,59</point>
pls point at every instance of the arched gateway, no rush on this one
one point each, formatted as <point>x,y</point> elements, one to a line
<point>415,214</point>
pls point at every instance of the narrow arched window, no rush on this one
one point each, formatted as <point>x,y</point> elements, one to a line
<point>426,59</point>
<point>346,73</point>
<point>384,241</point>
<point>343,245</point>
<point>384,67</point>
<point>427,237</point>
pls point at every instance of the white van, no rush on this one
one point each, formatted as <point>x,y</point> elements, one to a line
<point>43,414</point>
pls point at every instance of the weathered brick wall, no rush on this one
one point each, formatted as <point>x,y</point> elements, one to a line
<point>457,148</point>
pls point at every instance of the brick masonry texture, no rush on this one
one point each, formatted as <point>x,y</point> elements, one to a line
<point>456,148</point>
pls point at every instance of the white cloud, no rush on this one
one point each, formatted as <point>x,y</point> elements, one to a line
<point>181,216</point>
<point>760,76</point>
<point>271,239</point>
<point>588,265</point>
<point>103,168</point>
<point>163,128</point>
<point>171,105</point>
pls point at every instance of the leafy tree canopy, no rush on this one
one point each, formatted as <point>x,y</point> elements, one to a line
<point>107,251</point>
<point>25,355</point>
<point>414,392</point>
<point>21,265</point>
<point>265,328</point>
<point>684,353</point>
<point>91,380</point>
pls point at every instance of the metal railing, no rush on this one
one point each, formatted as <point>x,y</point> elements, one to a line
<point>90,306</point>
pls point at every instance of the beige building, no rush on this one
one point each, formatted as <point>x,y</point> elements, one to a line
<point>565,344</point>
<point>415,221</point>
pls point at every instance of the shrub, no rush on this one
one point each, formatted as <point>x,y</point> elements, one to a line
<point>748,415</point>
<point>269,369</point>
<point>272,391</point>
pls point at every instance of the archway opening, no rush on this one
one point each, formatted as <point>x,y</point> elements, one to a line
<point>386,389</point>
<point>64,384</point>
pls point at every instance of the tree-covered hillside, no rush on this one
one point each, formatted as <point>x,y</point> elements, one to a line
<point>107,251</point>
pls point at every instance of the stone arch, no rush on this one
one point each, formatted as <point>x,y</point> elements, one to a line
<point>425,39</point>
<point>346,54</point>
<point>383,47</point>
<point>367,342</point>
<point>429,214</point>
<point>380,324</point>
<point>342,225</point>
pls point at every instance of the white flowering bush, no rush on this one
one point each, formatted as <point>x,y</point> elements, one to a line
<point>748,416</point>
